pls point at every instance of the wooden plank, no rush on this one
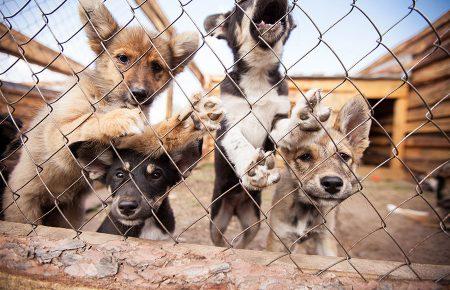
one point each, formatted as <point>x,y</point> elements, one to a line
<point>370,269</point>
<point>433,140</point>
<point>380,140</point>
<point>431,93</point>
<point>442,154</point>
<point>444,124</point>
<point>35,52</point>
<point>371,88</point>
<point>431,73</point>
<point>30,101</point>
<point>422,165</point>
<point>440,111</point>
<point>155,14</point>
<point>10,89</point>
<point>399,129</point>
<point>437,55</point>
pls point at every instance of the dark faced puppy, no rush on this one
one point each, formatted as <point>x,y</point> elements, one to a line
<point>139,187</point>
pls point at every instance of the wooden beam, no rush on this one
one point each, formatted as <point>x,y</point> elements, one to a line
<point>399,132</point>
<point>14,235</point>
<point>370,88</point>
<point>155,14</point>
<point>35,52</point>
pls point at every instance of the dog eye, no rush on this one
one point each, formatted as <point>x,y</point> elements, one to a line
<point>156,67</point>
<point>344,156</point>
<point>120,175</point>
<point>305,157</point>
<point>156,174</point>
<point>122,58</point>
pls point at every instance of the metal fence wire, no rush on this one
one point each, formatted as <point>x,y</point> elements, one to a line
<point>39,17</point>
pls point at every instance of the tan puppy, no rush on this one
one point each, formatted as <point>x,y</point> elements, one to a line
<point>326,175</point>
<point>106,103</point>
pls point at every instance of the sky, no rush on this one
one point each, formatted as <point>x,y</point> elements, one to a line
<point>351,39</point>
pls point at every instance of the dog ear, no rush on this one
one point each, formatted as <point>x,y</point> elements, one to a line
<point>95,158</point>
<point>212,21</point>
<point>101,23</point>
<point>354,121</point>
<point>186,159</point>
<point>183,46</point>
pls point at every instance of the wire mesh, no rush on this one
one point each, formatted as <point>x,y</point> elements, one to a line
<point>21,67</point>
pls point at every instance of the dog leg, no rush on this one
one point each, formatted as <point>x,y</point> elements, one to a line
<point>178,131</point>
<point>248,215</point>
<point>255,167</point>
<point>274,244</point>
<point>26,208</point>
<point>326,245</point>
<point>220,222</point>
<point>286,134</point>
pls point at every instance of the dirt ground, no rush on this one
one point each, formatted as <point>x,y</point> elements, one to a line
<point>423,242</point>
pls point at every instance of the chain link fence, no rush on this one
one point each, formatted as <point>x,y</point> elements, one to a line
<point>37,38</point>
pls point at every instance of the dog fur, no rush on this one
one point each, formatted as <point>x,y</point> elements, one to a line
<point>139,186</point>
<point>315,185</point>
<point>255,97</point>
<point>109,101</point>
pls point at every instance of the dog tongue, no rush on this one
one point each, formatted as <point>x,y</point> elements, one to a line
<point>263,25</point>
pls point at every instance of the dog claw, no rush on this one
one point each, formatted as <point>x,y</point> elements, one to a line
<point>261,171</point>
<point>305,109</point>
<point>208,112</point>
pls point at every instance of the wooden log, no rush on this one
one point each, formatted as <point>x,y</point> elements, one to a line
<point>433,72</point>
<point>35,52</point>
<point>422,165</point>
<point>372,88</point>
<point>431,140</point>
<point>431,93</point>
<point>440,111</point>
<point>444,124</point>
<point>437,55</point>
<point>28,101</point>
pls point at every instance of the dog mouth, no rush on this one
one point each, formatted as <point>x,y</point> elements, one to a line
<point>131,222</point>
<point>267,17</point>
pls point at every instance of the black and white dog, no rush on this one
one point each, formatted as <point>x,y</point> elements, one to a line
<point>254,96</point>
<point>133,198</point>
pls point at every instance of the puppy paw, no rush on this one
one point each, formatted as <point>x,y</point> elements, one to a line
<point>305,109</point>
<point>121,122</point>
<point>208,113</point>
<point>261,171</point>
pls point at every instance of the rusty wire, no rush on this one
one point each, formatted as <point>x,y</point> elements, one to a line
<point>296,7</point>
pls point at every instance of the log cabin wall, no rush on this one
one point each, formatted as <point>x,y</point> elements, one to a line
<point>427,147</point>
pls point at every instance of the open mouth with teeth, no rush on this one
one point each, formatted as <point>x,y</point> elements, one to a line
<point>269,17</point>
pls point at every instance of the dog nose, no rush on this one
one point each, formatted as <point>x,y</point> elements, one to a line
<point>128,207</point>
<point>139,93</point>
<point>332,184</point>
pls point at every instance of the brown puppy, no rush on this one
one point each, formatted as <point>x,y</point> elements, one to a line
<point>107,102</point>
<point>326,175</point>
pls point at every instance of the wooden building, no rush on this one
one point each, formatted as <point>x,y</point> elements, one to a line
<point>427,122</point>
